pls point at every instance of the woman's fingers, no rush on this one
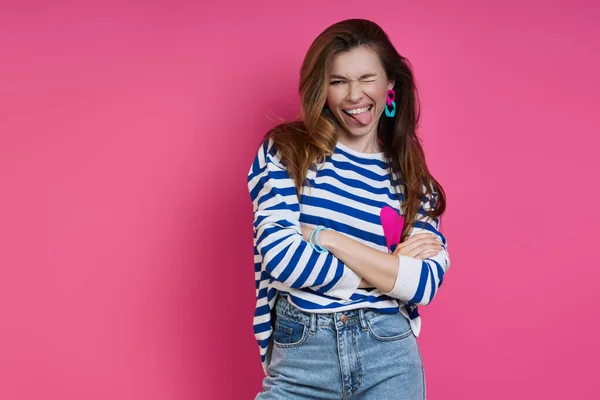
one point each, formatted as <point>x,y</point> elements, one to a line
<point>419,239</point>
<point>428,253</point>
<point>421,236</point>
<point>421,245</point>
<point>425,251</point>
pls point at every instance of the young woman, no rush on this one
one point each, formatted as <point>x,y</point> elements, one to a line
<point>347,242</point>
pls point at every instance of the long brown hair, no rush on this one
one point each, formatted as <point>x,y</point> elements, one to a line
<point>312,137</point>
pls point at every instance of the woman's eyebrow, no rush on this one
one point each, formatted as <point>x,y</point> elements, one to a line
<point>365,76</point>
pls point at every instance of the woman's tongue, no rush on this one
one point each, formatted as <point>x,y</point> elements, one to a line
<point>363,118</point>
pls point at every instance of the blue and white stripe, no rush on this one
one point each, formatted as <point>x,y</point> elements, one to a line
<point>346,194</point>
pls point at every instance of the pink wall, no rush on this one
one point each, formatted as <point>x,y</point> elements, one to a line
<point>126,136</point>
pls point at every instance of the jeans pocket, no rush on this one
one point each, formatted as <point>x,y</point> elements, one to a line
<point>389,327</point>
<point>288,333</point>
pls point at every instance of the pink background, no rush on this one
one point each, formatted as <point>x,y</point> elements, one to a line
<point>126,226</point>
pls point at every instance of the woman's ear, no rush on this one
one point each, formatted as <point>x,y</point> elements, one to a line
<point>391,85</point>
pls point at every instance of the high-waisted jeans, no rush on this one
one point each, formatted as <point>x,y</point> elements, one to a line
<point>355,354</point>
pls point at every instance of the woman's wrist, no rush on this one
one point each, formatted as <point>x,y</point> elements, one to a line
<point>327,239</point>
<point>313,238</point>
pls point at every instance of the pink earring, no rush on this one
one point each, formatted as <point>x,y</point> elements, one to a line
<point>390,101</point>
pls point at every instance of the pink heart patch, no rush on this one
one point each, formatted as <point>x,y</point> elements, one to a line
<point>392,226</point>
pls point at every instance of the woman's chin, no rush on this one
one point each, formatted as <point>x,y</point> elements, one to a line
<point>354,131</point>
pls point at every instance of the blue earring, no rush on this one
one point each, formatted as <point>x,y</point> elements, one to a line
<point>390,101</point>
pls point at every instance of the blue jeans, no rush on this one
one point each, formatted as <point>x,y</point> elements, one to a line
<point>355,354</point>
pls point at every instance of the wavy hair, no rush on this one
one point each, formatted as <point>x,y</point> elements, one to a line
<point>312,137</point>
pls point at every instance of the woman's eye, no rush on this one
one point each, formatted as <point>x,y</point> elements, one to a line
<point>336,82</point>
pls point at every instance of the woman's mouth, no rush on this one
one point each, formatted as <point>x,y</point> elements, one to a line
<point>362,115</point>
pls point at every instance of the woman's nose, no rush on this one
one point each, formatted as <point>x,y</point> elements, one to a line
<point>355,91</point>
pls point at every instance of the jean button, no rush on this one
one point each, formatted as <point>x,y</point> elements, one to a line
<point>344,318</point>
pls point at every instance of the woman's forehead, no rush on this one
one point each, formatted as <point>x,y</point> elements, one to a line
<point>356,63</point>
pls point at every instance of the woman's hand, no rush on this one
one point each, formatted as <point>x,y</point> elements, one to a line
<point>421,246</point>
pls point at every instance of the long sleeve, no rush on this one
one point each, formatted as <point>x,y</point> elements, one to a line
<point>418,281</point>
<point>279,243</point>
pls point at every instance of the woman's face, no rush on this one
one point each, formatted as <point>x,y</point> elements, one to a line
<point>357,91</point>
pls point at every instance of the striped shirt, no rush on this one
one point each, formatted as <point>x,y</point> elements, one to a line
<point>347,193</point>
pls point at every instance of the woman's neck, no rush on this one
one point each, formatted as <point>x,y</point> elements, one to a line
<point>363,144</point>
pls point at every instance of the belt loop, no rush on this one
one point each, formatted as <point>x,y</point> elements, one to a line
<point>313,323</point>
<point>363,321</point>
